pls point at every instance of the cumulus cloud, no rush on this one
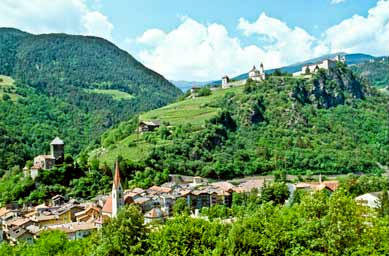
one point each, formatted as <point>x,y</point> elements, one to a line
<point>47,16</point>
<point>362,34</point>
<point>288,44</point>
<point>151,37</point>
<point>194,51</point>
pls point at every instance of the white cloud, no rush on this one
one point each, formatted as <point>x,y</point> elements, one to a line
<point>288,44</point>
<point>337,1</point>
<point>151,37</point>
<point>194,51</point>
<point>47,16</point>
<point>97,24</point>
<point>362,34</point>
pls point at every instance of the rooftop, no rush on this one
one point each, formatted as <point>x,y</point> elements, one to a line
<point>57,141</point>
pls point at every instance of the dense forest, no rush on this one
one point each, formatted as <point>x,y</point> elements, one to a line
<point>312,224</point>
<point>56,77</point>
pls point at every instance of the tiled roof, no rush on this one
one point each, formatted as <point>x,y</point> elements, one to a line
<point>107,208</point>
<point>161,189</point>
<point>154,213</point>
<point>224,185</point>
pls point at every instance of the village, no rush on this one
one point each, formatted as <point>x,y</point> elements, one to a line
<point>78,218</point>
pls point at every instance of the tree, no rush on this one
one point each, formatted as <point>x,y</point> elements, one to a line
<point>181,207</point>
<point>123,235</point>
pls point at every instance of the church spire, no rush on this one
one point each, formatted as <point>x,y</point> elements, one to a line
<point>117,191</point>
<point>116,179</point>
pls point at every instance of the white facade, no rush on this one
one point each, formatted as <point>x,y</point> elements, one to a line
<point>225,81</point>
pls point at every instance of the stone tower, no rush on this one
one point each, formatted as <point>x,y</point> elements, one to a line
<point>262,71</point>
<point>117,192</point>
<point>57,150</point>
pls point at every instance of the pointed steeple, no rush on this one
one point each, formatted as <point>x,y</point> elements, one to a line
<point>117,191</point>
<point>116,178</point>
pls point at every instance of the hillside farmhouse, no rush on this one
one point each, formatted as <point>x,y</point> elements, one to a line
<point>148,126</point>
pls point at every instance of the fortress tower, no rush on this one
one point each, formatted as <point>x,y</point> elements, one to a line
<point>57,150</point>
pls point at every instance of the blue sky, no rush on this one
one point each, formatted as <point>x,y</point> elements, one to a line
<point>204,40</point>
<point>132,18</point>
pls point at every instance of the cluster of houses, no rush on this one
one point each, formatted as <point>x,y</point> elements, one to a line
<point>79,219</point>
<point>76,219</point>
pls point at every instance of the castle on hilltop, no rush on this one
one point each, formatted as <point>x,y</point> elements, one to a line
<point>326,64</point>
<point>46,162</point>
<point>254,74</point>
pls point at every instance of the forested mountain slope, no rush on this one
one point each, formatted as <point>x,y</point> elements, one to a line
<point>70,86</point>
<point>329,123</point>
<point>376,72</point>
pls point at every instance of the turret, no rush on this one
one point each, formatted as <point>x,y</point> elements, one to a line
<point>117,192</point>
<point>57,150</point>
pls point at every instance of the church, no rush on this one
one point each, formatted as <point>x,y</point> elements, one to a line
<point>254,74</point>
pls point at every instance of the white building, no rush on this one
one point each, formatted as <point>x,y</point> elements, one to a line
<point>326,64</point>
<point>254,74</point>
<point>257,75</point>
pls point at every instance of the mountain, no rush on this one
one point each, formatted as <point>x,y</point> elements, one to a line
<point>331,123</point>
<point>186,85</point>
<point>70,86</point>
<point>374,71</point>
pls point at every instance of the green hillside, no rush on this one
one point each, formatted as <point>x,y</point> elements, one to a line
<point>375,72</point>
<point>124,141</point>
<point>74,87</point>
<point>330,123</point>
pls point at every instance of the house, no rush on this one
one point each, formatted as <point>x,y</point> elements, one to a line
<point>75,230</point>
<point>57,200</point>
<point>59,216</point>
<point>371,200</point>
<point>154,215</point>
<point>88,215</point>
<point>194,89</point>
<point>148,126</point>
<point>330,186</point>
<point>20,235</point>
<point>249,185</point>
